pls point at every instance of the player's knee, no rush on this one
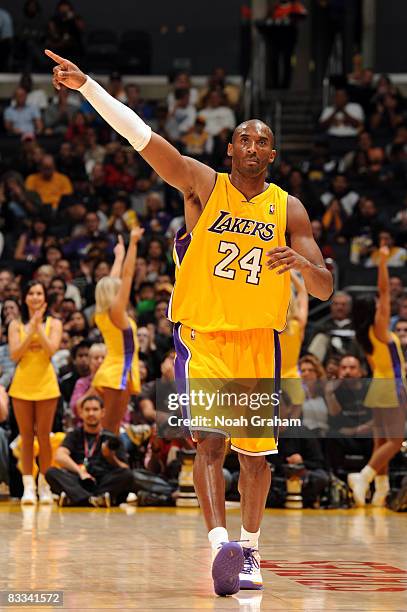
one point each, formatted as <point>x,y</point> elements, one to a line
<point>211,447</point>
<point>254,465</point>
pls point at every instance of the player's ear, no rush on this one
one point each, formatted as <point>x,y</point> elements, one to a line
<point>230,149</point>
<point>272,156</point>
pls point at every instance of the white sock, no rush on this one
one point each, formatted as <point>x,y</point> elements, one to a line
<point>368,473</point>
<point>217,536</point>
<point>28,482</point>
<point>382,483</point>
<point>249,540</point>
<point>42,481</point>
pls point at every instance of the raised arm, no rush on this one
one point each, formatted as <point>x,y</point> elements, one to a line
<point>302,300</point>
<point>304,254</point>
<point>383,309</point>
<point>119,306</point>
<point>188,175</point>
<point>119,254</point>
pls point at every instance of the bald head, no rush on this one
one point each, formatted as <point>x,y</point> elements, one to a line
<point>252,149</point>
<point>254,124</point>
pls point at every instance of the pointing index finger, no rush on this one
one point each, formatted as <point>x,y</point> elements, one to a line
<point>55,57</point>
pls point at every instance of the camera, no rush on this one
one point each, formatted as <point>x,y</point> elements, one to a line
<point>113,442</point>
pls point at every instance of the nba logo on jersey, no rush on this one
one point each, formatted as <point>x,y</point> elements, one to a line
<point>271,209</point>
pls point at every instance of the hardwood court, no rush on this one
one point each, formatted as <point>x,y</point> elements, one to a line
<point>158,559</point>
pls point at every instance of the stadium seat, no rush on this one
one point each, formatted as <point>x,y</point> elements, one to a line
<point>102,50</point>
<point>135,52</point>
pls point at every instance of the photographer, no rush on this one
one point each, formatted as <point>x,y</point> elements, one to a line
<point>93,471</point>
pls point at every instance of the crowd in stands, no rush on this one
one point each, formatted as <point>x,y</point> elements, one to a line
<point>69,186</point>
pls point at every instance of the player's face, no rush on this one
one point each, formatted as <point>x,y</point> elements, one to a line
<point>252,149</point>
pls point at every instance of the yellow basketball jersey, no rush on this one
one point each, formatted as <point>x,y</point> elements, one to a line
<point>290,342</point>
<point>386,360</point>
<point>222,281</point>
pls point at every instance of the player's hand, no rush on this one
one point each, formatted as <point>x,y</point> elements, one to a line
<point>136,234</point>
<point>65,73</point>
<point>119,250</point>
<point>285,258</point>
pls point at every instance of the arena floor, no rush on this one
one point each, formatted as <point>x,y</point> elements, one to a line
<point>158,559</point>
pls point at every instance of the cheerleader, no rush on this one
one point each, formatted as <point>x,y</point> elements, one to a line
<point>34,389</point>
<point>291,341</point>
<point>118,376</point>
<point>386,394</point>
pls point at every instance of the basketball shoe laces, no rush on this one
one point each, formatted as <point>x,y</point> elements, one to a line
<point>250,561</point>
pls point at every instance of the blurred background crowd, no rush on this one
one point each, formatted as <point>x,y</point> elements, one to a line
<point>69,186</point>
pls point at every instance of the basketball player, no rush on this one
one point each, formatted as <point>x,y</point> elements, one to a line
<point>230,300</point>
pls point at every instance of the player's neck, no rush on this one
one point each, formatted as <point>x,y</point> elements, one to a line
<point>249,186</point>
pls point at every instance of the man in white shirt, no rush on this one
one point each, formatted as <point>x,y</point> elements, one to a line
<point>182,117</point>
<point>217,116</point>
<point>344,118</point>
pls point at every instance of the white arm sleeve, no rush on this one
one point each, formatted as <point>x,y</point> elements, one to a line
<point>121,118</point>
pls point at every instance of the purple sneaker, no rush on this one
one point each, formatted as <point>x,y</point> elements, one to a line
<point>226,568</point>
<point>250,577</point>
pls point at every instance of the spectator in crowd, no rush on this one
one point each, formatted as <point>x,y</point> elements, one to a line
<point>65,31</point>
<point>63,270</point>
<point>396,293</point>
<point>400,329</point>
<point>336,335</point>
<point>218,81</point>
<point>6,277</point>
<point>297,448</point>
<point>136,103</point>
<point>397,255</point>
<point>10,311</point>
<point>280,29</point>
<point>48,183</point>
<point>94,471</point>
<point>155,220</point>
<point>182,117</point>
<point>123,219</point>
<point>340,191</point>
<point>361,228</point>
<point>83,386</point>
<point>196,141</point>
<point>21,119</point>
<point>314,409</point>
<point>217,115</point>
<point>35,97</point>
<point>78,247</point>
<point>342,122</point>
<point>6,39</point>
<point>58,114</point>
<point>30,36</point>
<point>30,245</point>
<point>34,389</point>
<point>115,87</point>
<point>350,422</point>
<point>77,368</point>
<point>44,274</point>
<point>20,205</point>
<point>182,81</point>
<point>401,311</point>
